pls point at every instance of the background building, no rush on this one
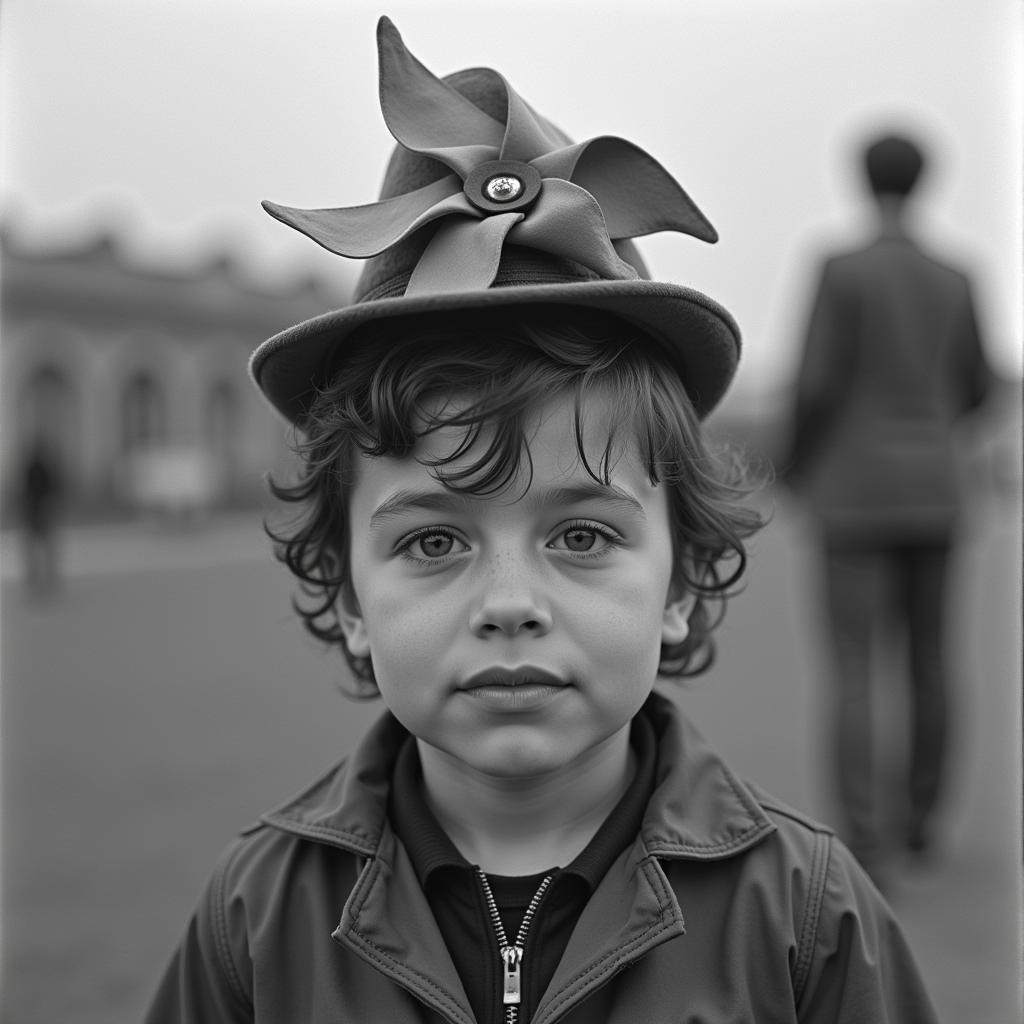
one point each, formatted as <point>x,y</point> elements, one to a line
<point>134,376</point>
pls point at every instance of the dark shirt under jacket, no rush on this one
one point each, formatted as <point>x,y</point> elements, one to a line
<point>456,895</point>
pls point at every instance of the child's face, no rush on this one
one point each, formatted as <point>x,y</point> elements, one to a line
<point>563,589</point>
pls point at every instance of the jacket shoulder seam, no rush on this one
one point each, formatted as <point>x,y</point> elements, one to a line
<point>220,932</point>
<point>812,911</point>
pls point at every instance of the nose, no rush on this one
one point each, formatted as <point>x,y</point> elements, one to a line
<point>510,602</point>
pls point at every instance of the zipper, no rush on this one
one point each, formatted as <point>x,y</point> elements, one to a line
<point>512,954</point>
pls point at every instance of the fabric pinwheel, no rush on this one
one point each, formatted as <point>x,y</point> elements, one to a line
<point>521,182</point>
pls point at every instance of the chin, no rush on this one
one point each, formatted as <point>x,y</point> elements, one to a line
<point>520,757</point>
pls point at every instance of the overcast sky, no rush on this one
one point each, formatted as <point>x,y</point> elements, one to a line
<point>171,119</point>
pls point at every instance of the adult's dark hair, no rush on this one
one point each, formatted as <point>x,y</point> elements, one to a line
<point>893,164</point>
<point>382,399</point>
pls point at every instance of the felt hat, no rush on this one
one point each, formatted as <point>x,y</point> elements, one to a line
<point>485,205</point>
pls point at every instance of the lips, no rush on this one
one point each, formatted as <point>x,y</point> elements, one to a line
<point>525,675</point>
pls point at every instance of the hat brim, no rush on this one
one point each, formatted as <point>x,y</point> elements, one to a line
<point>699,335</point>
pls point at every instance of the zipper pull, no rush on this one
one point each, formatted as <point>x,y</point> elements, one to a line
<point>512,955</point>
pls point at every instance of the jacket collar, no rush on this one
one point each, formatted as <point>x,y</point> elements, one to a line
<point>699,810</point>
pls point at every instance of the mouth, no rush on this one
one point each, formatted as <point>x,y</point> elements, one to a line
<point>526,675</point>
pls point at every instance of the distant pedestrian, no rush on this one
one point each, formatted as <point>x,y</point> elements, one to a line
<point>41,495</point>
<point>892,360</point>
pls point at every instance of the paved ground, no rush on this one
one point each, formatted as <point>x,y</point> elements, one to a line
<point>167,695</point>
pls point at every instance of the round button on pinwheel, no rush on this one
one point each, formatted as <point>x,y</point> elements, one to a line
<point>502,186</point>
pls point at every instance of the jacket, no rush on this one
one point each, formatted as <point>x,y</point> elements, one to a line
<point>728,907</point>
<point>892,358</point>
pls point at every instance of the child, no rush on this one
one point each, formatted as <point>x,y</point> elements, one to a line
<point>510,524</point>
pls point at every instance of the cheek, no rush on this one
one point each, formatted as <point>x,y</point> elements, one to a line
<point>625,622</point>
<point>407,629</point>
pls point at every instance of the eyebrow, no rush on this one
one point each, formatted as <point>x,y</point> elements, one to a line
<point>405,501</point>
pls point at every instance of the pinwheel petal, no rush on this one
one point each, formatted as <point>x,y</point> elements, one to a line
<point>567,221</point>
<point>363,231</point>
<point>527,136</point>
<point>428,116</point>
<point>637,195</point>
<point>462,256</point>
<point>561,162</point>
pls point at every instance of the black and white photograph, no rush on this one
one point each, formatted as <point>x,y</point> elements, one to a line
<point>511,514</point>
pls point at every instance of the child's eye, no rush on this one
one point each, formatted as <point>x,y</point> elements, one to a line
<point>579,539</point>
<point>585,539</point>
<point>431,545</point>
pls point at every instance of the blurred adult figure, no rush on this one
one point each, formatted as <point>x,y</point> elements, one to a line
<point>892,358</point>
<point>41,491</point>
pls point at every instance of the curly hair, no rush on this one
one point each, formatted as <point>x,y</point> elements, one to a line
<point>382,398</point>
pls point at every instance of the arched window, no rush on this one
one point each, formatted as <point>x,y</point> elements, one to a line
<point>143,414</point>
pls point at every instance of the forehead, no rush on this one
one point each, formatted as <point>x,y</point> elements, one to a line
<point>551,458</point>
